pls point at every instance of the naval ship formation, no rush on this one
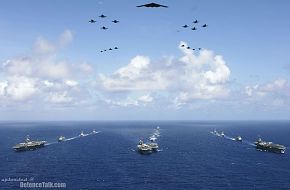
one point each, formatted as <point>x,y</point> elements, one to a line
<point>151,146</point>
<point>259,144</point>
<point>33,145</point>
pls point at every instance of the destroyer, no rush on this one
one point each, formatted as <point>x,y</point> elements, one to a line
<point>269,146</point>
<point>82,134</point>
<point>238,138</point>
<point>29,145</point>
<point>61,139</point>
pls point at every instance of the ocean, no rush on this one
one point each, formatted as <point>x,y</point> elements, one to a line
<point>189,156</point>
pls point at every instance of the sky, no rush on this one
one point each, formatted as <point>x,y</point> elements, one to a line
<point>51,67</point>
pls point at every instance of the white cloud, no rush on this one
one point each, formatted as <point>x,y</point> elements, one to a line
<point>3,86</point>
<point>275,87</point>
<point>71,83</point>
<point>39,78</point>
<point>129,102</point>
<point>21,88</point>
<point>192,77</point>
<point>59,97</point>
<point>43,46</point>
<point>65,38</point>
<point>146,99</point>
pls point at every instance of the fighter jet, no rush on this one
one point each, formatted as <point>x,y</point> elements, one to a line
<point>193,49</point>
<point>110,49</point>
<point>115,21</point>
<point>101,51</point>
<point>205,25</point>
<point>182,45</point>
<point>185,26</point>
<point>152,5</point>
<point>102,16</point>
<point>105,50</point>
<point>188,47</point>
<point>104,28</point>
<point>92,21</point>
<point>199,48</point>
<point>193,28</point>
<point>195,22</point>
<point>116,48</point>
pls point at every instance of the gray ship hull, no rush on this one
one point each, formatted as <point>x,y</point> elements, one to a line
<point>26,148</point>
<point>274,149</point>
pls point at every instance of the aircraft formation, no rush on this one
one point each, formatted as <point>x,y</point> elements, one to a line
<point>151,5</point>
<point>194,27</point>
<point>188,47</point>
<point>102,16</point>
<point>110,49</point>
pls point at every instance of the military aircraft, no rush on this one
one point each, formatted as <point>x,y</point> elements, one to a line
<point>104,28</point>
<point>205,25</point>
<point>116,48</point>
<point>152,5</point>
<point>102,16</point>
<point>92,21</point>
<point>182,45</point>
<point>193,28</point>
<point>115,21</point>
<point>110,49</point>
<point>185,26</point>
<point>195,22</point>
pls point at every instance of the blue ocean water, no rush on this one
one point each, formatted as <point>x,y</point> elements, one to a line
<point>190,157</point>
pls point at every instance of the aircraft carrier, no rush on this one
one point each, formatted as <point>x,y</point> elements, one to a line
<point>269,146</point>
<point>29,145</point>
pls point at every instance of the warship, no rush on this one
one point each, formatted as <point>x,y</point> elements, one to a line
<point>82,134</point>
<point>144,148</point>
<point>61,139</point>
<point>222,134</point>
<point>238,138</point>
<point>29,145</point>
<point>269,146</point>
<point>94,131</point>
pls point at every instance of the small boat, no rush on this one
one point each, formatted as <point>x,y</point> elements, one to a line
<point>214,132</point>
<point>82,134</point>
<point>61,139</point>
<point>239,138</point>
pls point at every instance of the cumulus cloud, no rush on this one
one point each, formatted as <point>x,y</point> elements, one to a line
<point>274,87</point>
<point>192,77</point>
<point>272,94</point>
<point>43,78</point>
